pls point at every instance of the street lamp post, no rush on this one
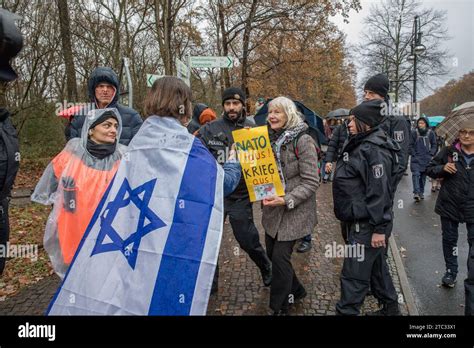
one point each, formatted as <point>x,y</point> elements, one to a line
<point>416,49</point>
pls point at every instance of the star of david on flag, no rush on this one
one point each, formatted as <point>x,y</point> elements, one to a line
<point>147,222</point>
<point>152,244</point>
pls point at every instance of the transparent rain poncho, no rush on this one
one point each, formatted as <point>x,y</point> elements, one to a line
<point>74,182</point>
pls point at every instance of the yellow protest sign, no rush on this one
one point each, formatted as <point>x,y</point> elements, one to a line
<point>259,167</point>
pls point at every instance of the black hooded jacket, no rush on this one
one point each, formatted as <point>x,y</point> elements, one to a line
<point>9,154</point>
<point>217,137</point>
<point>131,120</point>
<point>194,125</point>
<point>456,198</point>
<point>363,186</point>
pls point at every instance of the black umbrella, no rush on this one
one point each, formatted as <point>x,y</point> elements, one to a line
<point>313,120</point>
<point>338,113</point>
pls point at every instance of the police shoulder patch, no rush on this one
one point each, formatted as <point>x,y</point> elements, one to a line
<point>377,171</point>
<point>398,136</point>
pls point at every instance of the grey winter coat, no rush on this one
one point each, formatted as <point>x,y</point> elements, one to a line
<point>297,218</point>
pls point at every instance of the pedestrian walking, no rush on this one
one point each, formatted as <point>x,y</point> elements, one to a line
<point>455,203</point>
<point>422,149</point>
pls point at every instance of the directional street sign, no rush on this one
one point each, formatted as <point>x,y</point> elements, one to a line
<point>183,72</point>
<point>150,78</point>
<point>211,62</point>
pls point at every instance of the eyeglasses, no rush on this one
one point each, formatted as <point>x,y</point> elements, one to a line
<point>466,133</point>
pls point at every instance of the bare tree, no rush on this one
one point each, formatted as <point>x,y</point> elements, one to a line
<point>386,43</point>
<point>67,49</point>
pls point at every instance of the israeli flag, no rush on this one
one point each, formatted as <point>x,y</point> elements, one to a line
<point>151,247</point>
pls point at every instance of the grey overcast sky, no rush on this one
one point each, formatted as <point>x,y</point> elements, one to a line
<point>460,24</point>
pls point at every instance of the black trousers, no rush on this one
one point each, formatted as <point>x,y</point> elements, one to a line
<point>285,284</point>
<point>469,282</point>
<point>356,277</point>
<point>241,219</point>
<point>450,242</point>
<point>4,231</point>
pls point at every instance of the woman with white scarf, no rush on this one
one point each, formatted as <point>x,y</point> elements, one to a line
<point>287,219</point>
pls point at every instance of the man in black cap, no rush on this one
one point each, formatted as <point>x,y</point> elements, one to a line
<point>363,195</point>
<point>11,43</point>
<point>217,137</point>
<point>397,127</point>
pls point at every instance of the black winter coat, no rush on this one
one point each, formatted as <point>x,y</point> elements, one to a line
<point>131,120</point>
<point>217,137</point>
<point>363,187</point>
<point>194,124</point>
<point>456,197</point>
<point>336,143</point>
<point>10,151</point>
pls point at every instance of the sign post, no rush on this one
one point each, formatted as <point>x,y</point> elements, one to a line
<point>183,72</point>
<point>211,62</point>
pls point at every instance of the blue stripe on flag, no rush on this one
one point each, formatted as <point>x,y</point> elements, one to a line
<point>181,260</point>
<point>84,237</point>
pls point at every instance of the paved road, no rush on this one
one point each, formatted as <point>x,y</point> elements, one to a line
<point>418,230</point>
<point>241,291</point>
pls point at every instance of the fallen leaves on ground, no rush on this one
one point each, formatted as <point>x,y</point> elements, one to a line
<point>26,228</point>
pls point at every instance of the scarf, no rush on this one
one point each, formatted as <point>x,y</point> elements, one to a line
<point>286,137</point>
<point>100,151</point>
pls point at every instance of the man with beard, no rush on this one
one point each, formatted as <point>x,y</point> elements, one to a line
<point>217,137</point>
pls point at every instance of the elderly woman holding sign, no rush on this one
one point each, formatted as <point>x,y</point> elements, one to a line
<point>287,219</point>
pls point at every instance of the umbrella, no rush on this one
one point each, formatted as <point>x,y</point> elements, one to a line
<point>435,120</point>
<point>449,128</point>
<point>338,113</point>
<point>313,120</point>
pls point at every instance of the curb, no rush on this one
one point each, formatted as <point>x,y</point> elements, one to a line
<point>402,275</point>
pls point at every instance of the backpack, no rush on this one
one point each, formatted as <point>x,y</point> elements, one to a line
<point>313,135</point>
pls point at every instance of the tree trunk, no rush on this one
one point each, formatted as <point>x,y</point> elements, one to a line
<point>245,50</point>
<point>67,50</point>
<point>225,44</point>
<point>163,32</point>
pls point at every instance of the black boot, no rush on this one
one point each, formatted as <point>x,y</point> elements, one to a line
<point>304,247</point>
<point>391,309</point>
<point>267,275</point>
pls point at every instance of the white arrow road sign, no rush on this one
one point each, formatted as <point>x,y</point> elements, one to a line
<point>150,78</point>
<point>211,62</point>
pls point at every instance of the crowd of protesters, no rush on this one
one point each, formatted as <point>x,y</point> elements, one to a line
<point>366,157</point>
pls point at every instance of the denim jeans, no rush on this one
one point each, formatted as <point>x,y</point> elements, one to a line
<point>419,180</point>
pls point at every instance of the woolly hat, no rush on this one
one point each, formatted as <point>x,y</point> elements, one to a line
<point>369,112</point>
<point>379,84</point>
<point>207,115</point>
<point>233,93</point>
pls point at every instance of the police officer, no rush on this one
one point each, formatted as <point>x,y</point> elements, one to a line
<point>217,137</point>
<point>397,127</point>
<point>11,43</point>
<point>363,195</point>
